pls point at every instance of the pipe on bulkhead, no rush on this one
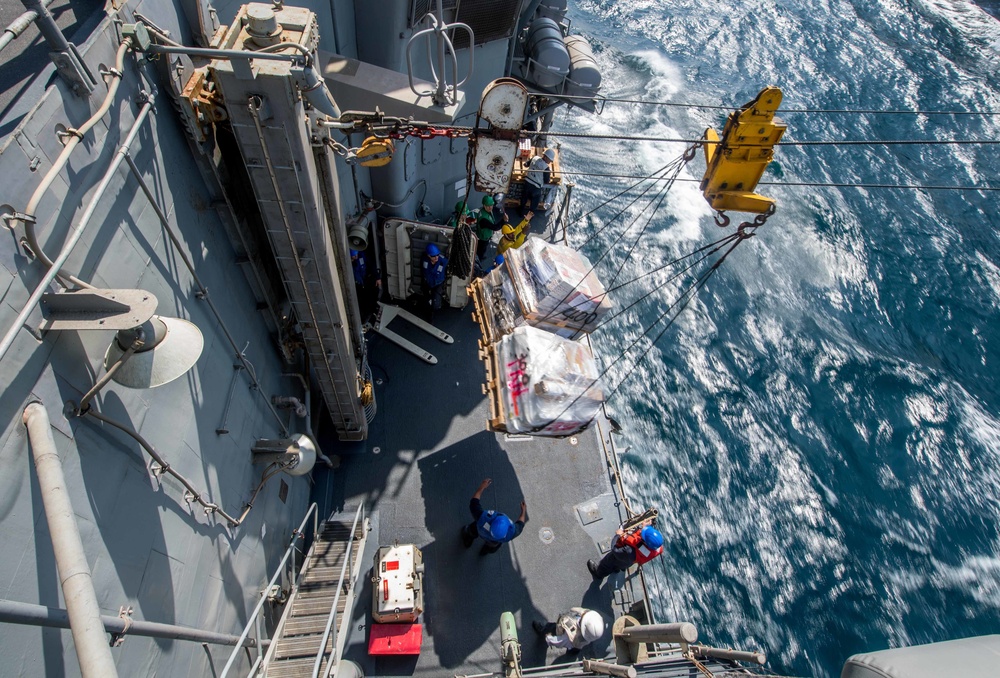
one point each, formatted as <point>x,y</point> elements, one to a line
<point>47,25</point>
<point>77,231</point>
<point>15,612</point>
<point>194,495</point>
<point>19,25</point>
<point>74,137</point>
<point>92,648</point>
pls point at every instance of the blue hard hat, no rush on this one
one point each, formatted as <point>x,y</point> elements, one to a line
<point>501,527</point>
<point>354,253</point>
<point>499,260</point>
<point>651,537</point>
<point>432,250</point>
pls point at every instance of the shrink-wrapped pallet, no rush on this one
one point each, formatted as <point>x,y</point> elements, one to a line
<point>497,302</point>
<point>547,385</point>
<point>542,285</point>
<point>555,286</point>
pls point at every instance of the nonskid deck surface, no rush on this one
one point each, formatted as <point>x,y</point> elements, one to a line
<point>426,454</point>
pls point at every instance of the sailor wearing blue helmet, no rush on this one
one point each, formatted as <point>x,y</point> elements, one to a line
<point>634,548</point>
<point>494,528</point>
<point>435,272</point>
<point>367,284</point>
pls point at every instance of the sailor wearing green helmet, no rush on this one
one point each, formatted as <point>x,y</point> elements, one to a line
<point>460,214</point>
<point>486,225</point>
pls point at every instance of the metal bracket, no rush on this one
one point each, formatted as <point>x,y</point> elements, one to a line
<point>224,427</point>
<point>93,309</point>
<point>74,71</point>
<point>125,613</point>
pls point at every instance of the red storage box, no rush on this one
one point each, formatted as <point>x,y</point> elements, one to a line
<point>395,638</point>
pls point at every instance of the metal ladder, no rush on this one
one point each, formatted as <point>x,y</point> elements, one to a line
<point>327,580</point>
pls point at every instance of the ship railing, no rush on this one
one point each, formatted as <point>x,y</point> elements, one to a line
<point>611,457</point>
<point>331,622</point>
<point>255,621</point>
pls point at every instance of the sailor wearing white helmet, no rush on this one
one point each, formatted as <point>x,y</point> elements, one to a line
<point>573,630</point>
<point>538,175</point>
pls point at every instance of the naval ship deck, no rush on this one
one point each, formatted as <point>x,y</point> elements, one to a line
<point>427,452</point>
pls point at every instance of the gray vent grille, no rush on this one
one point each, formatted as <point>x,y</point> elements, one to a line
<point>418,8</point>
<point>489,19</point>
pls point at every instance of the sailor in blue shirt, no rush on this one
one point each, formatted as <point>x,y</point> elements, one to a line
<point>367,283</point>
<point>494,528</point>
<point>435,268</point>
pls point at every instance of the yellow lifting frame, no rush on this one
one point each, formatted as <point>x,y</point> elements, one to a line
<point>736,163</point>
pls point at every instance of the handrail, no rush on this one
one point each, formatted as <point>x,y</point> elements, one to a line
<point>313,508</point>
<point>444,48</point>
<point>331,619</point>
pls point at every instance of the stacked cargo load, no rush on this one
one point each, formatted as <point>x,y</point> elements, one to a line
<point>552,287</point>
<point>541,384</point>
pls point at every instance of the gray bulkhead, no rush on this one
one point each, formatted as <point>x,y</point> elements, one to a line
<point>147,547</point>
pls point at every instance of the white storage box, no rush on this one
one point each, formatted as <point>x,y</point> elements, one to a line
<point>397,590</point>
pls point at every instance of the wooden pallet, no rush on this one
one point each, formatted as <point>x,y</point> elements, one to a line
<point>493,388</point>
<point>481,311</point>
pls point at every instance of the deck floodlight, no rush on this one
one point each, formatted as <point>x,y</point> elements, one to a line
<point>171,347</point>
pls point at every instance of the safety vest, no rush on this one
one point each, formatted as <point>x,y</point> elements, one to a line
<point>485,224</point>
<point>643,554</point>
<point>537,169</point>
<point>483,526</point>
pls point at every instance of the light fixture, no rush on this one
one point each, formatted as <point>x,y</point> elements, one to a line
<point>296,456</point>
<point>171,347</point>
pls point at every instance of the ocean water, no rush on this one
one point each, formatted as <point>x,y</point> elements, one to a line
<point>821,426</point>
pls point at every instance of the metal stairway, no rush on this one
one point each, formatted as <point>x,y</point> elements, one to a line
<point>330,567</point>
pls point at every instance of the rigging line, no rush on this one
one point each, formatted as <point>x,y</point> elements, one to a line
<point>867,111</point>
<point>847,142</point>
<point>623,192</point>
<point>677,140</point>
<point>699,282</point>
<point>691,293</point>
<point>919,187</point>
<point>678,104</point>
<point>649,219</point>
<point>622,211</point>
<point>717,245</point>
<point>818,184</point>
<point>593,266</point>
<point>677,165</point>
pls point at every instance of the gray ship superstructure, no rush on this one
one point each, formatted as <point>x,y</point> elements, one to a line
<point>206,443</point>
